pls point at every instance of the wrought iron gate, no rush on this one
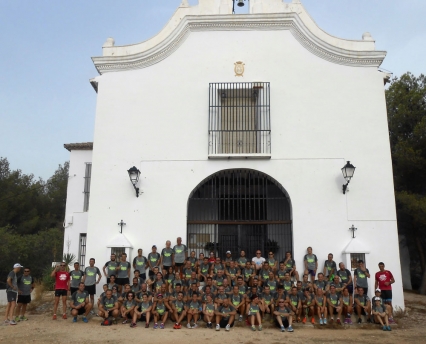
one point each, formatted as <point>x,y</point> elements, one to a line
<point>238,210</point>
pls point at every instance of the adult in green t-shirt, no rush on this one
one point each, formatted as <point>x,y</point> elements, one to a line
<point>283,315</point>
<point>80,304</point>
<point>311,264</point>
<point>25,287</point>
<point>180,255</point>
<point>167,255</point>
<point>225,315</point>
<point>140,263</point>
<point>110,267</point>
<point>153,260</point>
<point>253,312</point>
<point>76,277</point>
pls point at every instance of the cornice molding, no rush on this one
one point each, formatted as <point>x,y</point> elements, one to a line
<point>252,22</point>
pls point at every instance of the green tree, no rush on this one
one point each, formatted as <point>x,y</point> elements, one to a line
<point>406,104</point>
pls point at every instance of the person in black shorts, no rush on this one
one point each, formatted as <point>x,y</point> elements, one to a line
<point>80,304</point>
<point>25,288</point>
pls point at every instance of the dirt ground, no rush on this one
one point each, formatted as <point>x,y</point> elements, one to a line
<point>410,328</point>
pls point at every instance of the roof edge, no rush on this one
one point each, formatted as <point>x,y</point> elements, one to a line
<point>78,146</point>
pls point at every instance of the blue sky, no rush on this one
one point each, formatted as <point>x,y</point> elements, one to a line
<point>45,96</point>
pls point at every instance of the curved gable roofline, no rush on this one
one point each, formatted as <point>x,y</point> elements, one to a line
<point>292,17</point>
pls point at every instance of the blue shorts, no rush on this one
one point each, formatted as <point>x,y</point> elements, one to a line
<point>312,273</point>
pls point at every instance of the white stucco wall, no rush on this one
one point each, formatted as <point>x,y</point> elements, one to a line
<point>322,115</point>
<point>75,218</point>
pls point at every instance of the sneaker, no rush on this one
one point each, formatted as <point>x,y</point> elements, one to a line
<point>146,325</point>
<point>369,320</point>
<point>290,329</point>
<point>321,322</point>
<point>227,328</point>
<point>349,321</point>
<point>240,318</point>
<point>260,328</point>
<point>304,320</point>
<point>331,319</point>
<point>338,322</point>
<point>345,321</point>
<point>188,325</point>
<point>359,321</point>
<point>313,321</point>
<point>64,316</point>
<point>162,326</point>
<point>325,321</point>
<point>12,322</point>
<point>253,328</point>
<point>125,321</point>
<point>175,326</point>
<point>209,325</point>
<point>282,329</point>
<point>388,328</point>
<point>6,322</point>
<point>85,319</point>
<point>92,313</point>
<point>133,325</point>
<point>155,326</point>
<point>391,321</point>
<point>217,327</point>
<point>385,328</point>
<point>195,325</point>
<point>74,319</point>
<point>17,319</point>
<point>54,317</point>
<point>23,318</point>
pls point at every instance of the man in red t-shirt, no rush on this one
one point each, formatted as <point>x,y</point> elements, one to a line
<point>384,281</point>
<point>62,288</point>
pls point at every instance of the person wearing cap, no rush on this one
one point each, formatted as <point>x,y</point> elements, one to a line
<point>62,288</point>
<point>160,312</point>
<point>253,312</point>
<point>387,307</point>
<point>380,314</point>
<point>153,260</point>
<point>361,274</point>
<point>25,288</point>
<point>228,259</point>
<point>383,281</point>
<point>140,263</point>
<point>12,294</point>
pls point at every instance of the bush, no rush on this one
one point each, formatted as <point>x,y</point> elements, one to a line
<point>47,281</point>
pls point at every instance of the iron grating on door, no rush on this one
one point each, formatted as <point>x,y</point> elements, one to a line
<point>240,209</point>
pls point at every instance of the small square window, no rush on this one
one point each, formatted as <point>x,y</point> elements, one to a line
<point>354,259</point>
<point>118,251</point>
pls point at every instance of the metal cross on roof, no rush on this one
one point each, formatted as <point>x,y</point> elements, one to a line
<point>121,224</point>
<point>353,229</point>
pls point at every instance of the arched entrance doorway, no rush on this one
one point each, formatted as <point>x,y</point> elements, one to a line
<point>239,209</point>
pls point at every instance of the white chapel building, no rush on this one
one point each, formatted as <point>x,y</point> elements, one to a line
<point>240,126</point>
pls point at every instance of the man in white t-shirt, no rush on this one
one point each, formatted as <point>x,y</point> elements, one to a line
<point>258,261</point>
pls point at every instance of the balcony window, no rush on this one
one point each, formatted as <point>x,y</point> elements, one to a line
<point>239,120</point>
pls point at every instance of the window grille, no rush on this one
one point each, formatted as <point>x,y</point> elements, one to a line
<point>82,251</point>
<point>239,118</point>
<point>87,177</point>
<point>354,259</point>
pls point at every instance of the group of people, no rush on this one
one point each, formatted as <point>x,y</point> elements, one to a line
<point>185,288</point>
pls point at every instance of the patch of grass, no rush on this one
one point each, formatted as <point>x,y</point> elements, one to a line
<point>399,313</point>
<point>37,296</point>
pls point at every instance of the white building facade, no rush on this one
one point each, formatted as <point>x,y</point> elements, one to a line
<point>240,125</point>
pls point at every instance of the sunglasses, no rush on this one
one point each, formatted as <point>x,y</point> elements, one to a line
<point>62,265</point>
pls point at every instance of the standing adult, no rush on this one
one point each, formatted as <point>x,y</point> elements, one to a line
<point>140,263</point>
<point>110,267</point>
<point>12,294</point>
<point>346,277</point>
<point>361,274</point>
<point>242,260</point>
<point>180,255</point>
<point>258,261</point>
<point>167,254</point>
<point>123,272</point>
<point>89,279</point>
<point>290,265</point>
<point>329,267</point>
<point>76,276</point>
<point>62,288</point>
<point>311,263</point>
<point>153,260</point>
<point>384,281</point>
<point>25,288</point>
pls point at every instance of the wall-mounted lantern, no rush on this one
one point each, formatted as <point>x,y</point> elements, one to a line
<point>134,174</point>
<point>348,172</point>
